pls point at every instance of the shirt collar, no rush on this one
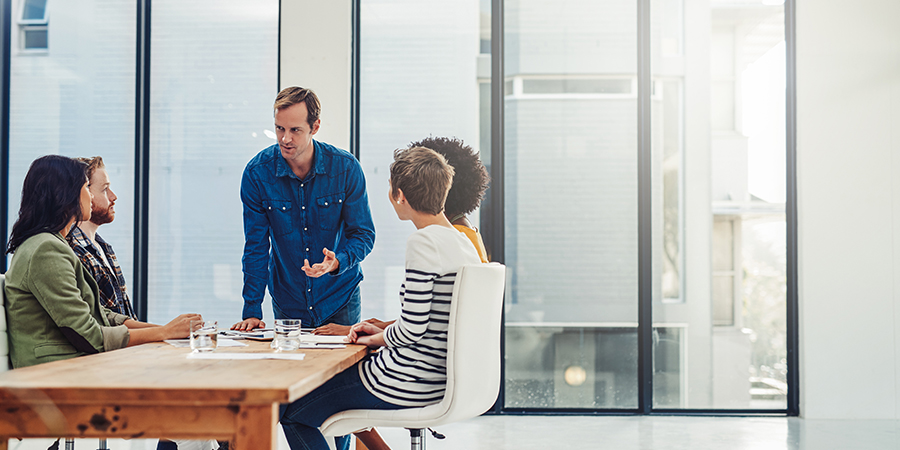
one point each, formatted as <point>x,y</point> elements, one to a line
<point>77,236</point>
<point>283,170</point>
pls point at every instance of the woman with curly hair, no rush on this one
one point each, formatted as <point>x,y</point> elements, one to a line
<point>470,181</point>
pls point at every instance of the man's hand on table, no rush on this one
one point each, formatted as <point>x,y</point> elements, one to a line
<point>248,324</point>
<point>333,329</point>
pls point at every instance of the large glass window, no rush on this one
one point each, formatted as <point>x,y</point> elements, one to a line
<point>213,82</point>
<point>571,204</point>
<point>718,205</point>
<point>77,99</point>
<point>421,70</point>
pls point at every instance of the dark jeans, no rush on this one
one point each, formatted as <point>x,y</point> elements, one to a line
<point>301,419</point>
<point>349,314</point>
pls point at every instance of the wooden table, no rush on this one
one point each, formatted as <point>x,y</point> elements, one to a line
<point>154,391</point>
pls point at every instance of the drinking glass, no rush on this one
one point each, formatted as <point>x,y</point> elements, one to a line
<point>287,334</point>
<point>204,335</point>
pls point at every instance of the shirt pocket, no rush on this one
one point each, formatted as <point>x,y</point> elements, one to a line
<point>328,209</point>
<point>279,214</point>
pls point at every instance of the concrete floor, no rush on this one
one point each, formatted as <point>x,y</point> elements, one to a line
<point>621,433</point>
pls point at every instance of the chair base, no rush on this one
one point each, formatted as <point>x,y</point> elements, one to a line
<point>70,444</point>
<point>416,438</point>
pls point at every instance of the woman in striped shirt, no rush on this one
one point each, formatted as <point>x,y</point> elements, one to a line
<point>410,370</point>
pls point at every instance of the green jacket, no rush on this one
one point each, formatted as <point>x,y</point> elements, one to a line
<point>52,305</point>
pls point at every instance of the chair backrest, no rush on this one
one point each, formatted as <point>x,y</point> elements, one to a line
<point>473,341</point>
<point>4,335</point>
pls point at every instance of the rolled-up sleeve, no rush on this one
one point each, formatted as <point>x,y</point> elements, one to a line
<point>115,318</point>
<point>115,337</point>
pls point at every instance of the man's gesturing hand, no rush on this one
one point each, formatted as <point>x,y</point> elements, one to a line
<point>330,264</point>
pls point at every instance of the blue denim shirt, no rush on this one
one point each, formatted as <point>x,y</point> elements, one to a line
<point>327,209</point>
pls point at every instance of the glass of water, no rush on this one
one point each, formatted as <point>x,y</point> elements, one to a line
<point>287,334</point>
<point>204,335</point>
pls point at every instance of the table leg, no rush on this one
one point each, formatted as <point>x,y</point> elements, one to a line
<point>255,428</point>
<point>4,443</point>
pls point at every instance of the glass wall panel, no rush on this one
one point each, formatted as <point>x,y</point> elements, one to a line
<point>719,242</point>
<point>75,97</point>
<point>213,81</point>
<point>571,204</point>
<point>422,74</point>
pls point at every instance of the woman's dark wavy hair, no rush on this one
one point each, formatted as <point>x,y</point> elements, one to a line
<point>51,197</point>
<point>470,179</point>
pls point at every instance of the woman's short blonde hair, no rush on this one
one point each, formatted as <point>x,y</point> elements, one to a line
<point>424,176</point>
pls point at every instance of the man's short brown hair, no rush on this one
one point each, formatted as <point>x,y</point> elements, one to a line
<point>93,164</point>
<point>424,176</point>
<point>293,95</point>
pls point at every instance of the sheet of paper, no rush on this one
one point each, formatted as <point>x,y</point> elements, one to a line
<point>321,339</point>
<point>224,355</point>
<point>186,343</point>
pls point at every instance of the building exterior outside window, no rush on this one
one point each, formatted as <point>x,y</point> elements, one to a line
<point>33,25</point>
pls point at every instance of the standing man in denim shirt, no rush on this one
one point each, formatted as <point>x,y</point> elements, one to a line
<point>308,199</point>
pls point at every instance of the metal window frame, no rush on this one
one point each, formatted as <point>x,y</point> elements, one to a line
<point>355,61</point>
<point>793,298</point>
<point>5,35</point>
<point>142,161</point>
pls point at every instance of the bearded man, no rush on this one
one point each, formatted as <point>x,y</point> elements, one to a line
<point>95,253</point>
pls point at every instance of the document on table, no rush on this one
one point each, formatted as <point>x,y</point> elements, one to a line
<point>186,343</point>
<point>323,339</point>
<point>223,355</point>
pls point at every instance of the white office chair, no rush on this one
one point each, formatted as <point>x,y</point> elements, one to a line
<point>473,362</point>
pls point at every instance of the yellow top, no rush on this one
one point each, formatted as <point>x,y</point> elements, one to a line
<point>475,237</point>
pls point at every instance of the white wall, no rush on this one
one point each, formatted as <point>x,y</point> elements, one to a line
<point>316,39</point>
<point>848,92</point>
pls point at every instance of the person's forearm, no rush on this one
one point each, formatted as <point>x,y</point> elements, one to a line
<point>373,341</point>
<point>143,335</point>
<point>136,324</point>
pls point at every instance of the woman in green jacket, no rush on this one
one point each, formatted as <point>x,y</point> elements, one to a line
<point>53,309</point>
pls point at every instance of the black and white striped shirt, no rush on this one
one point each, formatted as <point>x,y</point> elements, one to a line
<point>411,370</point>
